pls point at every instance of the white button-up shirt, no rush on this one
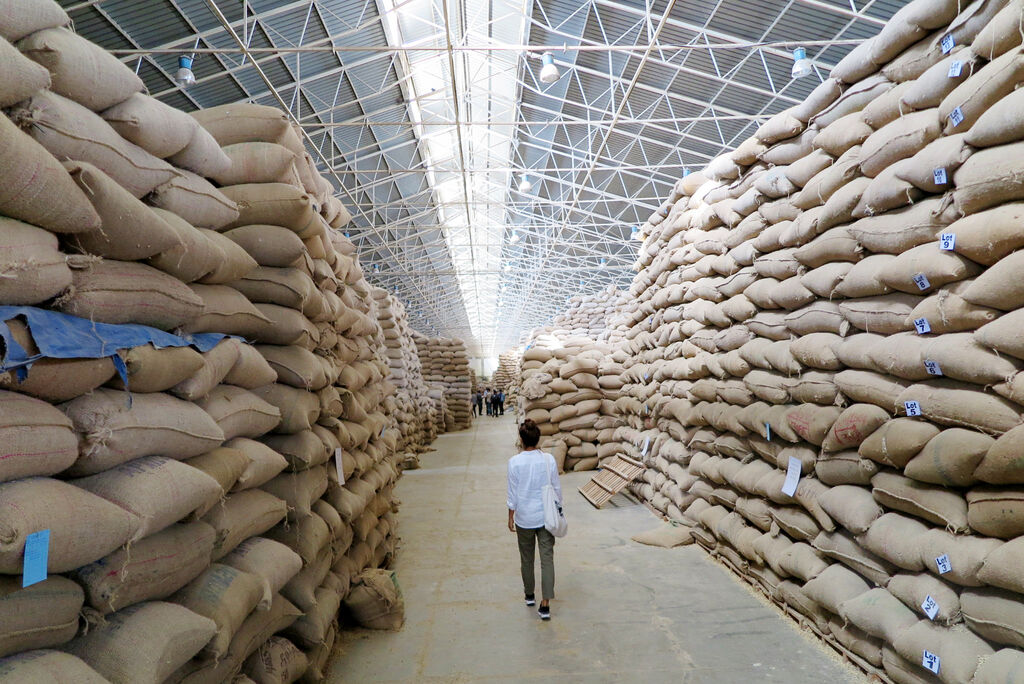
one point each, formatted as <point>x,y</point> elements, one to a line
<point>528,472</point>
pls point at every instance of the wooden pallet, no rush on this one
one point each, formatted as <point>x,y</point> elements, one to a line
<point>614,475</point>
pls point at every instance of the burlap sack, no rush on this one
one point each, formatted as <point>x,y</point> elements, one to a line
<point>129,292</point>
<point>194,199</point>
<point>35,438</point>
<point>257,162</point>
<point>157,370</point>
<point>46,665</point>
<point>159,491</point>
<point>276,660</point>
<point>273,562</point>
<point>251,370</point>
<point>151,568</point>
<point>70,131</point>
<point>83,527</point>
<point>111,432</point>
<point>243,515</point>
<point>226,310</point>
<point>40,616</point>
<point>276,204</point>
<point>937,505</point>
<point>996,512</point>
<point>158,128</point>
<point>947,311</point>
<point>130,230</point>
<point>1003,666</point>
<point>81,70</point>
<point>272,246</point>
<point>961,649</point>
<point>22,78</point>
<point>239,123</point>
<point>32,177</point>
<point>54,380</point>
<point>226,596</point>
<point>238,412</point>
<point>952,457</point>
<point>878,613</point>
<point>948,402</point>
<point>202,155</point>
<point>143,643</point>
<point>375,601</point>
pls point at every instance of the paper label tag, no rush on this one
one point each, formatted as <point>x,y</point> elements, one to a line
<point>956,117</point>
<point>930,607</point>
<point>922,326</point>
<point>939,176</point>
<point>37,556</point>
<point>930,661</point>
<point>955,69</point>
<point>943,564</point>
<point>932,367</point>
<point>792,476</point>
<point>339,465</point>
<point>768,431</point>
<point>647,445</point>
<point>948,43</point>
<point>922,282</point>
<point>913,408</point>
<point>947,241</point>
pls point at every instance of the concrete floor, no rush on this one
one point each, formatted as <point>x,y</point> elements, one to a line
<point>623,613</point>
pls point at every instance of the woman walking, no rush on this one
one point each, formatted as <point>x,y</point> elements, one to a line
<point>528,473</point>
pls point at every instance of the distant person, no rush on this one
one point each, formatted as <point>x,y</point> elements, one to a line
<point>487,400</point>
<point>501,402</point>
<point>494,403</point>
<point>478,403</point>
<point>528,472</point>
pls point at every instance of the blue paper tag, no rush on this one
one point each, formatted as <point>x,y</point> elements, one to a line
<point>37,554</point>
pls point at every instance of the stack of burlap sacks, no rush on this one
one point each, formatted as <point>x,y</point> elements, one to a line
<point>198,523</point>
<point>505,377</point>
<point>411,407</point>
<point>587,316</point>
<point>567,386</point>
<point>842,294</point>
<point>445,364</point>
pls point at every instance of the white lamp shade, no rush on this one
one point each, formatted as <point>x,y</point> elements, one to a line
<point>548,72</point>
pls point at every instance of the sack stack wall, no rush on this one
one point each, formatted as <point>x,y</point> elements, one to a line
<point>412,408</point>
<point>838,299</point>
<point>201,523</point>
<point>445,363</point>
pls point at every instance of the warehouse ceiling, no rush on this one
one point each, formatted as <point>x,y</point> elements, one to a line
<point>424,113</point>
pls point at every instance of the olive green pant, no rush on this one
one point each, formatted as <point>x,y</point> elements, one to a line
<point>546,541</point>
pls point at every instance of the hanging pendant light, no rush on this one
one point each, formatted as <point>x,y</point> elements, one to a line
<point>548,72</point>
<point>184,76</point>
<point>802,66</point>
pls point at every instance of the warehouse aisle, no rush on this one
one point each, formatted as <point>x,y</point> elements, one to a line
<point>623,613</point>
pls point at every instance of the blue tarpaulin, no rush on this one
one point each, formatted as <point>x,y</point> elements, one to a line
<point>62,336</point>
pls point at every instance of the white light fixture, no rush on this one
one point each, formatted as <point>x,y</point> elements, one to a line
<point>604,262</point>
<point>548,72</point>
<point>506,268</point>
<point>801,65</point>
<point>636,234</point>
<point>184,76</point>
<point>524,183</point>
<point>514,238</point>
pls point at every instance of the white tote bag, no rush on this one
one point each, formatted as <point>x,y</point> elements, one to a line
<point>554,519</point>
